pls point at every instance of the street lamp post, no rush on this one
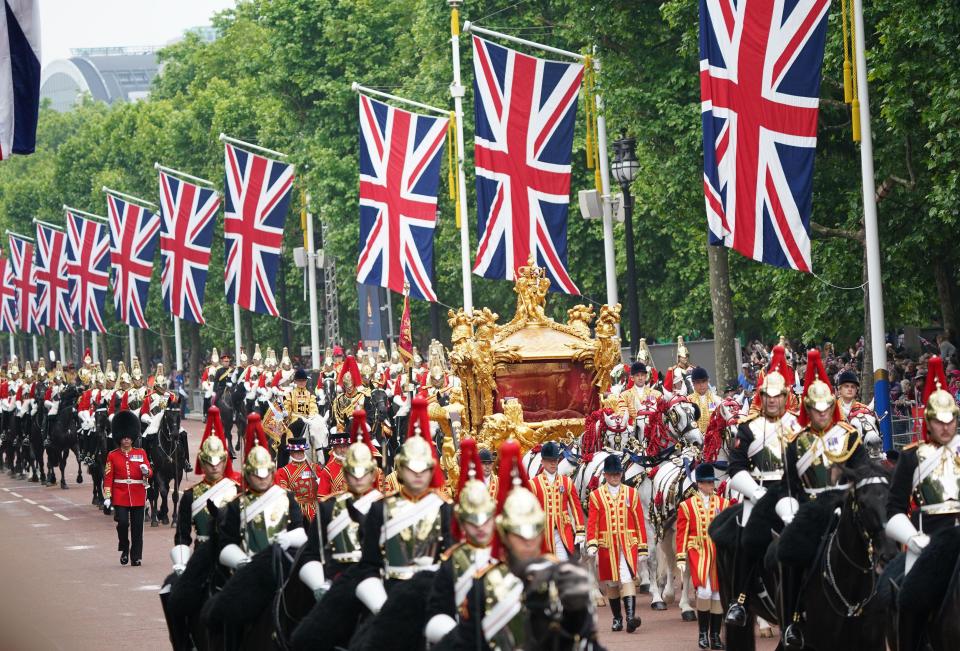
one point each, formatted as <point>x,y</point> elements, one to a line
<point>624,168</point>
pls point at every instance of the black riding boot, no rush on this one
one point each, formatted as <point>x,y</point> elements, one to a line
<point>792,626</point>
<point>617,614</point>
<point>737,610</point>
<point>703,623</point>
<point>716,621</point>
<point>633,621</point>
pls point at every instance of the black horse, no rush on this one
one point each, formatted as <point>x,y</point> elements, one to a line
<point>844,555</point>
<point>96,446</point>
<point>239,405</point>
<point>167,450</point>
<point>62,429</point>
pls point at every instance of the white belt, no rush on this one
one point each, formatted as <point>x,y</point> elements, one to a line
<point>949,507</point>
<point>817,491</point>
<point>347,557</point>
<point>407,571</point>
<point>768,475</point>
<point>129,481</point>
<point>202,539</point>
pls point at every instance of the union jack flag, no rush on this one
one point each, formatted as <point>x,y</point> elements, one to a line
<point>24,276</point>
<point>53,285</point>
<point>133,241</point>
<point>760,86</point>
<point>526,110</point>
<point>188,213</point>
<point>400,155</point>
<point>88,265</point>
<point>257,196</point>
<point>8,297</point>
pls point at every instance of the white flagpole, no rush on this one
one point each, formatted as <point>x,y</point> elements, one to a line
<point>312,283</point>
<point>133,345</point>
<point>62,349</point>
<point>178,343</point>
<point>36,354</point>
<point>874,280</point>
<point>456,90</point>
<point>93,347</point>
<point>609,254</point>
<point>236,330</point>
<point>13,346</point>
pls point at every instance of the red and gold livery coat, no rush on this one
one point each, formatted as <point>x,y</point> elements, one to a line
<point>123,482</point>
<point>615,526</point>
<point>331,478</point>
<point>301,479</point>
<point>561,508</point>
<point>693,542</point>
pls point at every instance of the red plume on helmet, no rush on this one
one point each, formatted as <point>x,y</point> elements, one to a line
<point>511,469</point>
<point>816,371</point>
<point>215,428</point>
<point>936,379</point>
<point>419,418</point>
<point>254,434</point>
<point>469,461</point>
<point>359,426</point>
<point>350,366</point>
<point>778,363</point>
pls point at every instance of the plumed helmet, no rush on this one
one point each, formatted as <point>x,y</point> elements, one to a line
<point>110,375</point>
<point>212,451</point>
<point>27,372</point>
<point>521,515</point>
<point>242,357</point>
<point>940,405</point>
<point>259,463</point>
<point>135,372</point>
<point>359,460</point>
<point>817,392</point>
<point>285,362</point>
<point>415,454</point>
<point>41,368</point>
<point>214,356</point>
<point>257,355</point>
<point>774,384</point>
<point>819,396</point>
<point>159,379</point>
<point>125,424</point>
<point>475,505</point>
<point>705,472</point>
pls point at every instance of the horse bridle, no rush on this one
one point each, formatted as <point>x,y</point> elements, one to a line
<point>853,609</point>
<point>174,437</point>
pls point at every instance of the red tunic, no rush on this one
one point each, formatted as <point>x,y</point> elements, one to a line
<point>122,480</point>
<point>561,507</point>
<point>301,480</point>
<point>693,542</point>
<point>331,478</point>
<point>615,526</point>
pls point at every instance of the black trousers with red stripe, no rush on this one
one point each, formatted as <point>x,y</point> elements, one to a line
<point>130,519</point>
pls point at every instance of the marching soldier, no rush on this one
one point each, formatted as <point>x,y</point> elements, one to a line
<point>640,398</point>
<point>695,547</point>
<point>819,452</point>
<point>262,515</point>
<point>759,471</point>
<point>207,381</point>
<point>558,499</point>
<point>299,477</point>
<point>126,474</point>
<point>331,475</point>
<point>848,386</point>
<point>406,532</point>
<point>154,403</point>
<point>617,537</point>
<point>354,395</point>
<point>703,396</point>
<point>462,561</point>
<point>924,504</point>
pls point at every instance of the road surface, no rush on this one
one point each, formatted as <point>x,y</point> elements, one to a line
<point>64,587</point>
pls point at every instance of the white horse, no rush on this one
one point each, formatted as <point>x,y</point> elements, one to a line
<point>867,424</point>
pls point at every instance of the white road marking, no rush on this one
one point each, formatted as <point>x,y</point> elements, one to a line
<point>45,508</point>
<point>7,489</point>
<point>144,588</point>
<point>29,501</point>
<point>74,548</point>
<point>9,502</point>
<point>16,494</point>
<point>40,524</point>
<point>62,517</point>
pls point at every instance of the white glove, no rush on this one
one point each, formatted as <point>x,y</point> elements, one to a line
<point>144,470</point>
<point>180,555</point>
<point>591,551</point>
<point>48,404</point>
<point>642,556</point>
<point>438,627</point>
<point>372,594</point>
<point>106,504</point>
<point>295,538</point>
<point>786,508</point>
<point>579,539</point>
<point>233,557</point>
<point>918,543</point>
<point>743,483</point>
<point>145,418</point>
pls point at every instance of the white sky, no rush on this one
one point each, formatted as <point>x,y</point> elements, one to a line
<point>66,24</point>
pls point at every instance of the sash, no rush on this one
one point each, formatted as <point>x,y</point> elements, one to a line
<point>928,465</point>
<point>343,519</point>
<point>779,429</point>
<point>506,609</point>
<point>213,493</point>
<point>804,462</point>
<point>418,511</point>
<point>262,502</point>
<point>462,587</point>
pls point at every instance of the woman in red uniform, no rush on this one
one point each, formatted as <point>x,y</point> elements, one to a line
<point>125,480</point>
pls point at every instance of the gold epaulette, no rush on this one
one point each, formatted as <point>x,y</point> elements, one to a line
<point>847,426</point>
<point>910,446</point>
<point>750,416</point>
<point>445,556</point>
<point>446,498</point>
<point>486,568</point>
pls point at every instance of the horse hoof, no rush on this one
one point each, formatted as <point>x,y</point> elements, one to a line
<point>645,588</point>
<point>63,484</point>
<point>688,616</point>
<point>658,605</point>
<point>153,523</point>
<point>79,479</point>
<point>94,501</point>
<point>34,479</point>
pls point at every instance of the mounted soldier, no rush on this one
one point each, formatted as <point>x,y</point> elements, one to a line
<point>923,511</point>
<point>354,395</point>
<point>758,469</point>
